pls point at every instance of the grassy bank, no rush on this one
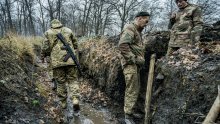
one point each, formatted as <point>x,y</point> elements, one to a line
<point>20,45</point>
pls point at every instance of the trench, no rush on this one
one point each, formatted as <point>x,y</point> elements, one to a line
<point>90,113</point>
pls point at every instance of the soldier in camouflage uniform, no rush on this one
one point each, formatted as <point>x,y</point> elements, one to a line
<point>132,58</point>
<point>186,26</point>
<point>65,73</point>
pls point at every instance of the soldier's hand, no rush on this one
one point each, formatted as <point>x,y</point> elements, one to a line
<point>140,61</point>
<point>173,16</point>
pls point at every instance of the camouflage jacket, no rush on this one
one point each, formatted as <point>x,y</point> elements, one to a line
<point>130,44</point>
<point>186,26</point>
<point>52,46</point>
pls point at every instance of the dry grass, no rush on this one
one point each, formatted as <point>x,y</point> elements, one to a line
<point>101,53</point>
<point>20,45</point>
<point>101,58</point>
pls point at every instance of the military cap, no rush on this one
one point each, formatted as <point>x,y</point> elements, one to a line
<point>55,23</point>
<point>178,0</point>
<point>142,14</point>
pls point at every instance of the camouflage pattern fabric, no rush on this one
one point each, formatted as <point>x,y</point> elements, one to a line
<point>186,26</point>
<point>65,73</point>
<point>131,45</point>
<point>132,57</point>
<point>54,48</point>
<point>66,77</point>
<point>131,73</point>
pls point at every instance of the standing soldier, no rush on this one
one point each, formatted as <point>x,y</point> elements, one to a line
<point>64,72</point>
<point>132,58</point>
<point>185,25</point>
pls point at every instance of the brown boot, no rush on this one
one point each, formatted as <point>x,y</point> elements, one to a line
<point>76,104</point>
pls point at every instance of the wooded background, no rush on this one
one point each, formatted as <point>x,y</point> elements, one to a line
<point>91,17</point>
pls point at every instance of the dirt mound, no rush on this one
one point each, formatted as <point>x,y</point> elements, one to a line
<point>190,86</point>
<point>20,101</point>
<point>101,62</point>
<point>211,32</point>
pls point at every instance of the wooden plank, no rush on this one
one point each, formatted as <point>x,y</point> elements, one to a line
<point>214,111</point>
<point>149,89</point>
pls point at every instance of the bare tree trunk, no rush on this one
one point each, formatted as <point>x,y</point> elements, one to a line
<point>123,15</point>
<point>123,8</point>
<point>19,10</point>
<point>86,13</point>
<point>8,10</point>
<point>92,23</point>
<point>29,8</point>
<point>2,25</point>
<point>72,22</point>
<point>95,19</point>
<point>42,16</point>
<point>24,19</point>
<point>59,4</point>
<point>87,17</point>
<point>50,10</point>
<point>83,20</point>
<point>4,18</point>
<point>99,21</point>
<point>2,30</point>
<point>105,21</point>
<point>73,25</point>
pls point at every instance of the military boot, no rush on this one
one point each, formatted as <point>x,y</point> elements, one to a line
<point>76,104</point>
<point>129,119</point>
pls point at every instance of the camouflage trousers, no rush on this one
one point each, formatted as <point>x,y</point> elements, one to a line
<point>132,80</point>
<point>66,77</point>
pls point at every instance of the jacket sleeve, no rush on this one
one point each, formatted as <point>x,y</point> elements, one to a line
<point>46,46</point>
<point>127,37</point>
<point>197,24</point>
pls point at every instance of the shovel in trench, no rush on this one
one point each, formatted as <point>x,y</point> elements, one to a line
<point>149,89</point>
<point>214,111</point>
